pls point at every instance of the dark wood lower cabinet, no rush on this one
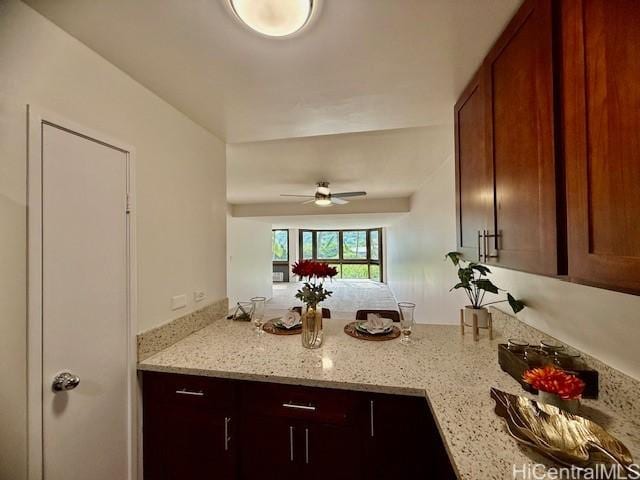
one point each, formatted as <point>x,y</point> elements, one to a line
<point>189,430</point>
<point>276,448</point>
<point>403,440</point>
<point>199,428</point>
<point>269,447</point>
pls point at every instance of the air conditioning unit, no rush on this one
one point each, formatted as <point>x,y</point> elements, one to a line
<point>278,276</point>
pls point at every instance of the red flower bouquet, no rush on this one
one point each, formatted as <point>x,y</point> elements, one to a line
<point>314,274</point>
<point>551,379</point>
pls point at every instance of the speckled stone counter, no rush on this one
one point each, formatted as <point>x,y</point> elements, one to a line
<point>453,372</point>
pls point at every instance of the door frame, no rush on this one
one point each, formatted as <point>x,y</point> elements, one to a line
<point>36,118</point>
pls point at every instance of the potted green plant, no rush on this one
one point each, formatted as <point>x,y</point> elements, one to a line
<point>473,280</point>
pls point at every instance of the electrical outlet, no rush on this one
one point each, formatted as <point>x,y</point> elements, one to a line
<point>198,295</point>
<point>179,301</point>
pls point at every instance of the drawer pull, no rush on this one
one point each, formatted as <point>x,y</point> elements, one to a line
<point>227,437</point>
<point>371,418</point>
<point>309,408</point>
<point>291,443</point>
<point>184,391</point>
<point>306,446</point>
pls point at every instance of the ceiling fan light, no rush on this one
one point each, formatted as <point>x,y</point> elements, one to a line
<point>274,18</point>
<point>323,202</point>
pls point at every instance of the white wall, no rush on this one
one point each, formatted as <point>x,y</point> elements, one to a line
<point>416,246</point>
<point>180,187</point>
<point>249,259</point>
<point>599,322</point>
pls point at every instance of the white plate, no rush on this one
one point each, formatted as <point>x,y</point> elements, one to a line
<point>362,327</point>
<point>278,323</point>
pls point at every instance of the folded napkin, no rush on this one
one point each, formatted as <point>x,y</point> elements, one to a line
<point>376,323</point>
<point>291,319</point>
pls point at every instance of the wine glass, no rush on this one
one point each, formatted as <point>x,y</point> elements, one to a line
<point>257,309</point>
<point>407,310</point>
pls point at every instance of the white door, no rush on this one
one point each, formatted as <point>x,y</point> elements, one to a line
<point>85,320</point>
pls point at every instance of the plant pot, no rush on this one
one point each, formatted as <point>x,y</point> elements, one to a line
<point>482,314</point>
<point>312,327</point>
<point>571,406</point>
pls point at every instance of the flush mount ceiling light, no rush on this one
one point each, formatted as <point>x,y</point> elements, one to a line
<point>274,18</point>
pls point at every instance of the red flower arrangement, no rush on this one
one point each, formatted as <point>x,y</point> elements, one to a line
<point>311,269</point>
<point>554,380</point>
<point>313,291</point>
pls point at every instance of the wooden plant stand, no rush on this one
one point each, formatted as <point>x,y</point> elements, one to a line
<point>475,328</point>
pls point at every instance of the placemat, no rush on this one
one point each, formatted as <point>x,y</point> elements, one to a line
<point>350,329</point>
<point>270,327</point>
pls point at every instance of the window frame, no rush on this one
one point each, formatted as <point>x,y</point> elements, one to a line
<point>281,262</point>
<point>341,260</point>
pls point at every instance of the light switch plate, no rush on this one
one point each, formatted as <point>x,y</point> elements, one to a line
<point>198,295</point>
<point>179,301</point>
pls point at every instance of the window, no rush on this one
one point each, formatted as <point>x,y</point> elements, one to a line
<point>306,245</point>
<point>374,243</point>
<point>355,253</point>
<point>328,245</point>
<point>374,272</point>
<point>354,245</point>
<point>280,245</point>
<point>355,270</point>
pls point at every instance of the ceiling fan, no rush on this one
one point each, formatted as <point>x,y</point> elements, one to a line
<point>324,198</point>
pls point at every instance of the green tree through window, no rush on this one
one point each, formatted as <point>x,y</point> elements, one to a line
<point>307,245</point>
<point>354,245</point>
<point>280,245</point>
<point>328,245</point>
<point>355,253</point>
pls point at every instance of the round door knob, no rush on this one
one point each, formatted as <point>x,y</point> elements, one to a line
<point>65,381</point>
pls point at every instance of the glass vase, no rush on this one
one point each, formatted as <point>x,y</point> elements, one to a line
<point>312,327</point>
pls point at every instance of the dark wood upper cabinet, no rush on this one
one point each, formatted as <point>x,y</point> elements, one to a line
<point>474,180</point>
<point>601,118</point>
<point>560,95</point>
<point>521,145</point>
<point>507,171</point>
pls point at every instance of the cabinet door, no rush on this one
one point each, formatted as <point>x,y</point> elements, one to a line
<point>331,451</point>
<point>188,431</point>
<point>188,444</point>
<point>601,106</point>
<point>402,441</point>
<point>474,179</point>
<point>272,448</point>
<point>520,96</point>
<point>194,447</point>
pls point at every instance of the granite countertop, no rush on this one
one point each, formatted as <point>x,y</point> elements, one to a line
<point>453,372</point>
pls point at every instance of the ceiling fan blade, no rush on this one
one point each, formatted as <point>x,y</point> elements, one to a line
<point>309,201</point>
<point>338,201</point>
<point>349,194</point>
<point>299,196</point>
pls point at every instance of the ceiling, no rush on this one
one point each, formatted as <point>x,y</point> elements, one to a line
<point>312,222</point>
<point>386,164</point>
<point>361,65</point>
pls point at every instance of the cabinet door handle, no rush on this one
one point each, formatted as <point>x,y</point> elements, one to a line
<point>371,417</point>
<point>488,236</point>
<point>291,443</point>
<point>227,437</point>
<point>309,408</point>
<point>479,250</point>
<point>485,247</point>
<point>184,391</point>
<point>306,446</point>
